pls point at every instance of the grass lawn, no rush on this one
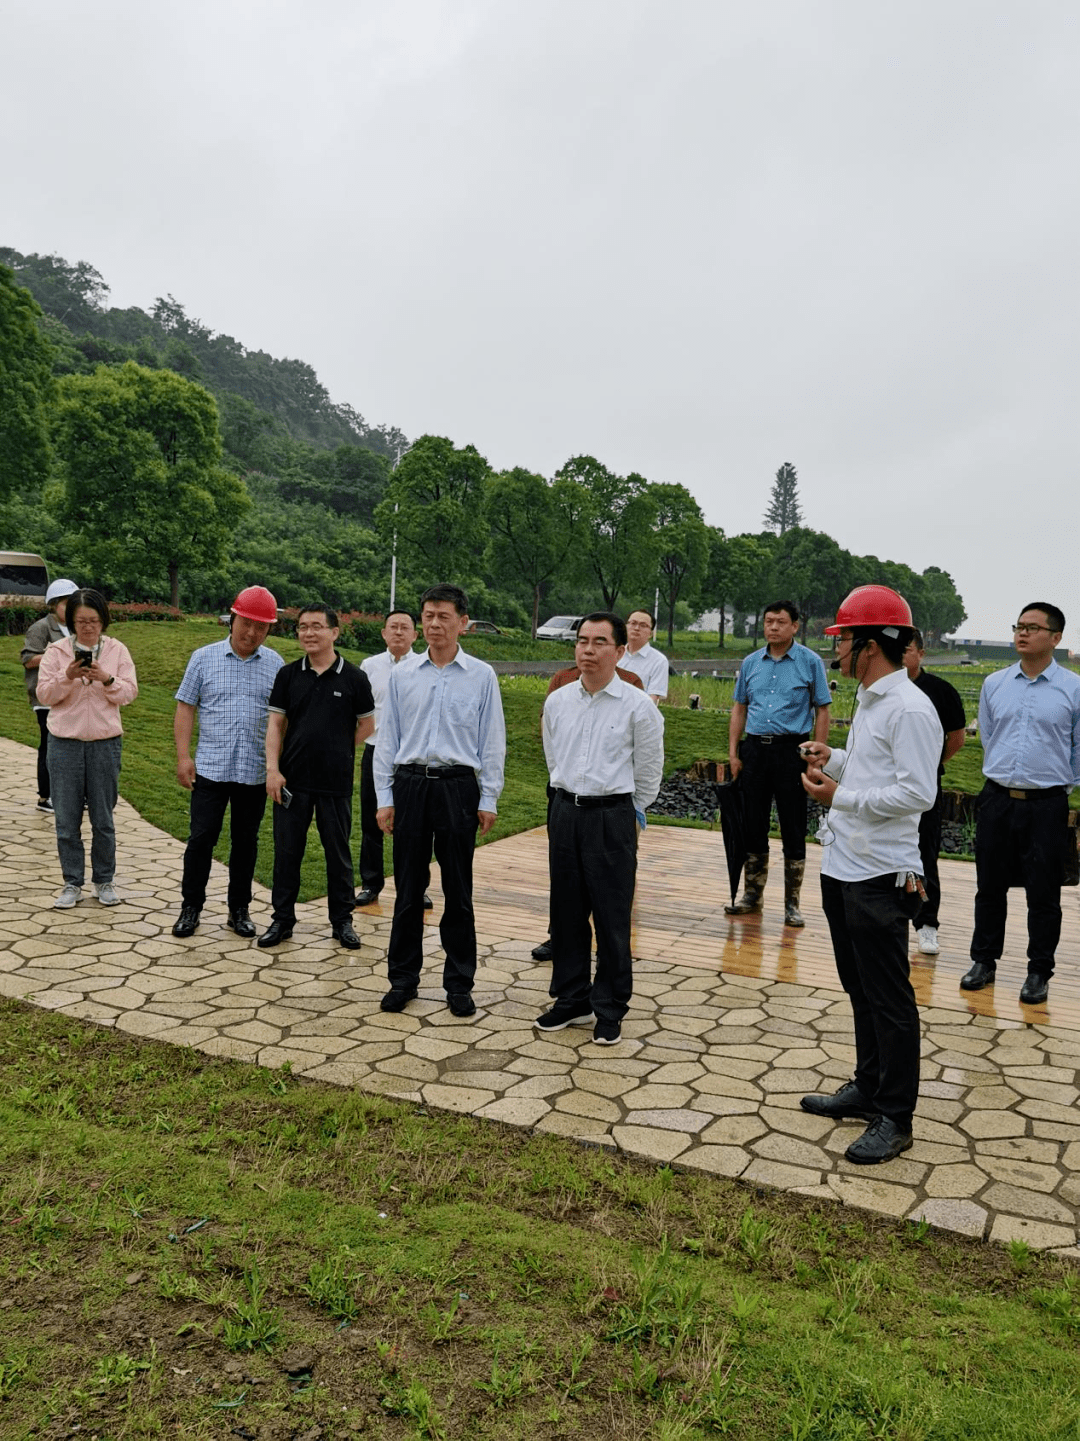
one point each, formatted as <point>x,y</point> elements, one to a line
<point>194,1248</point>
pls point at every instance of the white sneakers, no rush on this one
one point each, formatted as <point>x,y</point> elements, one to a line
<point>928,942</point>
<point>72,895</point>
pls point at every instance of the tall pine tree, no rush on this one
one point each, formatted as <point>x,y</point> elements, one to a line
<point>784,512</point>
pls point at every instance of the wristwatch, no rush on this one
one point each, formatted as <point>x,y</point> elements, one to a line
<point>108,682</point>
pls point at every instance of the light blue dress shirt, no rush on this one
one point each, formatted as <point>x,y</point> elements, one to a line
<point>448,716</point>
<point>780,695</point>
<point>1030,728</point>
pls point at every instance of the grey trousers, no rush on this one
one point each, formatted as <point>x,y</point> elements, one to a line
<point>89,769</point>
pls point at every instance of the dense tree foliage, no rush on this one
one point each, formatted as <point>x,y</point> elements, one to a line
<point>146,494</point>
<point>433,511</point>
<point>531,532</point>
<point>26,389</point>
<point>151,490</point>
<point>682,548</point>
<point>616,545</point>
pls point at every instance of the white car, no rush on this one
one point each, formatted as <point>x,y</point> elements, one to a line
<point>559,627</point>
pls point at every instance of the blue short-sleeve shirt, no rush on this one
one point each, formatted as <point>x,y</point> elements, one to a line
<point>781,695</point>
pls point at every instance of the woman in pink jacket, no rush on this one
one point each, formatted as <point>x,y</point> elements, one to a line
<point>85,679</point>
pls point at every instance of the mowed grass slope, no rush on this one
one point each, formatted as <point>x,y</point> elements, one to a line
<point>193,1248</point>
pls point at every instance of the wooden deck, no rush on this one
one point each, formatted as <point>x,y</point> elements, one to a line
<point>679,918</point>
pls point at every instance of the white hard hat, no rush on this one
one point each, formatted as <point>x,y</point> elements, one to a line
<point>60,588</point>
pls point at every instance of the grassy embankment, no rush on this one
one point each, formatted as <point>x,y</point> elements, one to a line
<point>194,1248</point>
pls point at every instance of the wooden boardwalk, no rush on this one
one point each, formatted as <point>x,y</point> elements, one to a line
<point>679,919</point>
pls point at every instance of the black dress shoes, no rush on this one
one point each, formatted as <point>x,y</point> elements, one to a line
<point>429,904</point>
<point>542,952</point>
<point>346,936</point>
<point>187,921</point>
<point>396,1000</point>
<point>367,897</point>
<point>848,1101</point>
<point>460,1003</point>
<point>240,922</point>
<point>274,934</point>
<point>883,1140</point>
<point>978,977</point>
<point>1035,989</point>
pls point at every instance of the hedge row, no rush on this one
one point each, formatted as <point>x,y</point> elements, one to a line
<point>17,619</point>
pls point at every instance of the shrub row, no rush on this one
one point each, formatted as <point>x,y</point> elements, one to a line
<point>17,619</point>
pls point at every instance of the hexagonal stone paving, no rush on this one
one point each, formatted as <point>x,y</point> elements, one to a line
<point>730,1023</point>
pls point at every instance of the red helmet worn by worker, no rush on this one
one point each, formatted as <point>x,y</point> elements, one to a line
<point>256,603</point>
<point>871,605</point>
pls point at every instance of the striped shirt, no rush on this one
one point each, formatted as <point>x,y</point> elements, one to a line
<point>231,695</point>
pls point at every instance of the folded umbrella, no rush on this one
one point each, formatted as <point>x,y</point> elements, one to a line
<point>730,799</point>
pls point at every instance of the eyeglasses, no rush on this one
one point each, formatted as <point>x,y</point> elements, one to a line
<point>302,629</point>
<point>1026,629</point>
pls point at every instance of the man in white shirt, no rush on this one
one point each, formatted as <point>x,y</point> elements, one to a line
<point>440,755</point>
<point>876,790</point>
<point>604,746</point>
<point>399,633</point>
<point>649,665</point>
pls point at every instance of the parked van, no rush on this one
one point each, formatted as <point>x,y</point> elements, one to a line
<point>559,627</point>
<point>23,578</point>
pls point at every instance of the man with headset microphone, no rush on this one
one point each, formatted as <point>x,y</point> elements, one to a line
<point>875,789</point>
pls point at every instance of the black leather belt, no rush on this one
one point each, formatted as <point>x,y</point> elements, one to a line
<point>593,801</point>
<point>776,740</point>
<point>435,773</point>
<point>1020,793</point>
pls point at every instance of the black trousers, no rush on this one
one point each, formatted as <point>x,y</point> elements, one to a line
<point>1019,843</point>
<point>209,801</point>
<point>43,754</point>
<point>592,858</point>
<point>370,859</point>
<point>333,817</point>
<point>929,846</point>
<point>774,772</point>
<point>868,922</point>
<point>440,814</point>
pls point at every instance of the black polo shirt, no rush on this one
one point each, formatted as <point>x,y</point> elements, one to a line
<point>945,699</point>
<point>322,711</point>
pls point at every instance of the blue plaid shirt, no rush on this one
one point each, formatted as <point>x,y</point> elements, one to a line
<point>231,695</point>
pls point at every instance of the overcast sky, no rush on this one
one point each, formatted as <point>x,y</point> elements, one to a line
<point>692,239</point>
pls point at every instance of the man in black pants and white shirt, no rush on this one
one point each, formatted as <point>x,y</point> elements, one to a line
<point>604,745</point>
<point>876,789</point>
<point>440,754</point>
<point>399,633</point>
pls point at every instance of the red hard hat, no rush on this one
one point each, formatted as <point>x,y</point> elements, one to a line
<point>256,603</point>
<point>871,605</point>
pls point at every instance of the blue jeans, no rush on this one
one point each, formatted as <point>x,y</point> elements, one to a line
<point>90,770</point>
